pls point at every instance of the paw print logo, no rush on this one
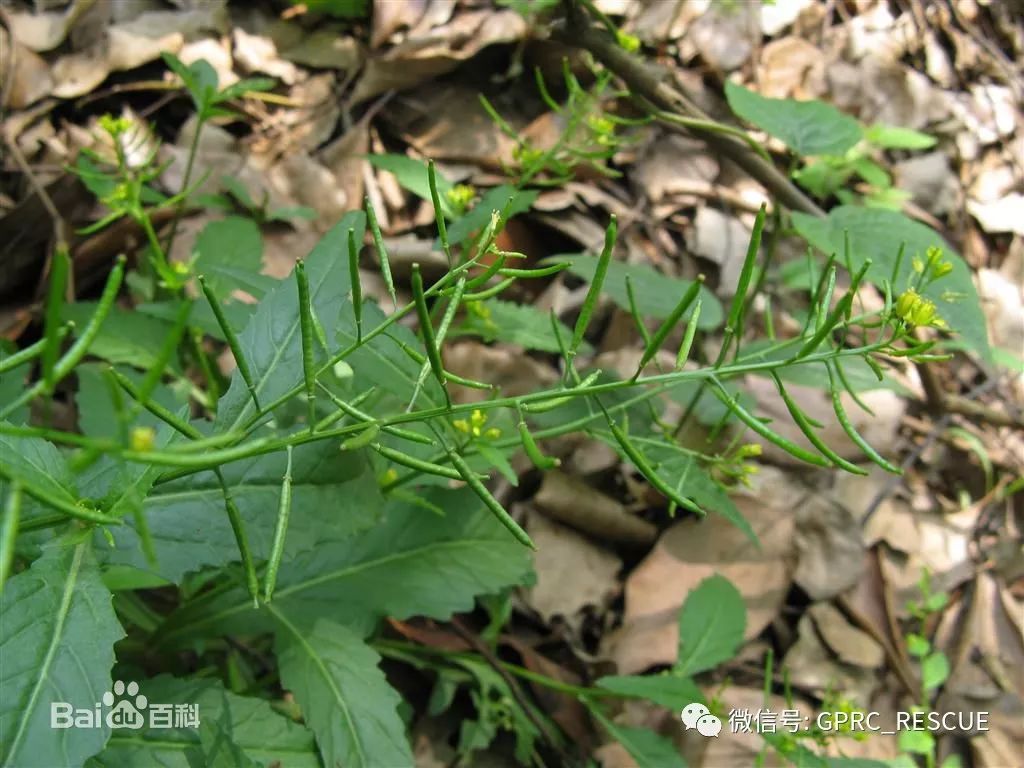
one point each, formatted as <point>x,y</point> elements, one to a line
<point>125,714</point>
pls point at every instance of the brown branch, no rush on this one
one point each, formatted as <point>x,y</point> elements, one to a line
<point>651,83</point>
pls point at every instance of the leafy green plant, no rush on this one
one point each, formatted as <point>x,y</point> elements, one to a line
<point>837,149</point>
<point>336,481</point>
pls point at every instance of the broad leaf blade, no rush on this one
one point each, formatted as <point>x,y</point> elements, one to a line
<point>877,235</point>
<point>271,341</point>
<point>412,563</point>
<point>668,690</point>
<point>807,127</point>
<point>56,645</point>
<point>344,696</point>
<point>711,626</point>
<point>227,247</point>
<point>265,736</point>
<point>523,324</point>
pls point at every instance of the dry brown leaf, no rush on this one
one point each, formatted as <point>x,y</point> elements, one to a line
<point>30,78</point>
<point>687,553</point>
<point>830,546</point>
<point>811,666</point>
<point>45,31</point>
<point>671,165</point>
<point>791,68</point>
<point>850,644</point>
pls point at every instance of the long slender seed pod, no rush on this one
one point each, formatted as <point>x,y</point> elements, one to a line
<point>382,253</point>
<point>638,321</point>
<point>362,439</point>
<point>670,322</point>
<point>442,227</point>
<point>550,405</point>
<point>488,293</point>
<point>306,331</point>
<point>533,452</point>
<point>357,288</point>
<point>691,331</point>
<point>9,531</point>
<point>594,292</point>
<point>874,366</point>
<point>60,266</point>
<point>733,325</point>
<point>284,510</point>
<point>198,460</point>
<point>156,409</point>
<point>897,263</point>
<point>347,409</point>
<point>769,320</point>
<point>801,420</point>
<point>826,326</point>
<point>494,268</point>
<point>77,351</point>
<point>195,339</point>
<point>241,538</point>
<point>412,462</point>
<point>851,431</point>
<point>853,393</point>
<point>489,501</point>
<point>449,376</point>
<point>643,466</point>
<point>23,356</point>
<point>825,300</point>
<point>167,348</point>
<point>553,269</point>
<point>241,362</point>
<point>759,427</point>
<point>429,340</point>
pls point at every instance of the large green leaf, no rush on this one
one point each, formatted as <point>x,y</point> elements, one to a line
<point>878,235</point>
<point>413,563</point>
<point>334,494</point>
<point>495,200</point>
<point>344,696</point>
<point>271,341</point>
<point>656,294</point>
<point>645,746</point>
<point>265,736</point>
<point>711,625</point>
<point>124,337</point>
<point>39,465</point>
<point>514,323</point>
<point>56,645</point>
<point>413,174</point>
<point>226,249</point>
<point>217,747</point>
<point>806,127</point>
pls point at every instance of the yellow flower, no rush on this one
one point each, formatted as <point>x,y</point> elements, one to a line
<point>918,265</point>
<point>460,196</point>
<point>915,309</point>
<point>462,425</point>
<point>493,433</point>
<point>143,438</point>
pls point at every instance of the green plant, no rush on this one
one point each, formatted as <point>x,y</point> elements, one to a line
<point>296,508</point>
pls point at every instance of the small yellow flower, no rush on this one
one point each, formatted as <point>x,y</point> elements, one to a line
<point>143,438</point>
<point>460,196</point>
<point>493,433</point>
<point>748,450</point>
<point>915,309</point>
<point>115,126</point>
<point>462,425</point>
<point>943,269</point>
<point>918,265</point>
<point>389,477</point>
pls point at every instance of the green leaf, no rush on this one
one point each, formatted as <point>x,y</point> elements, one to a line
<point>411,564</point>
<point>877,235</point>
<point>711,626</point>
<point>125,337</point>
<point>668,690</point>
<point>806,127</point>
<point>523,324</point>
<point>226,248</point>
<point>217,748</point>
<point>265,736</point>
<point>412,175</point>
<point>917,742</point>
<point>271,339</point>
<point>918,646</point>
<point>38,464</point>
<point>658,294</point>
<point>645,746</point>
<point>934,670</point>
<point>345,698</point>
<point>57,645</point>
<point>894,137</point>
<point>334,494</point>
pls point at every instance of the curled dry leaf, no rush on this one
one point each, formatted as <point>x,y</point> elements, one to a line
<point>850,644</point>
<point>29,78</point>
<point>570,500</point>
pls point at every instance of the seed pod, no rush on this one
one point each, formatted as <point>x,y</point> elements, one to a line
<point>357,288</point>
<point>60,266</point>
<point>9,531</point>
<point>306,331</point>
<point>488,293</point>
<point>851,431</point>
<point>429,341</point>
<point>594,292</point>
<point>362,439</point>
<point>691,331</point>
<point>74,355</point>
<point>734,323</point>
<point>382,254</point>
<point>412,462</point>
<point>232,340</point>
<point>284,510</point>
<point>640,462</point>
<point>489,501</point>
<point>442,228</point>
<point>638,321</point>
<point>533,452</point>
<point>553,269</point>
<point>670,322</point>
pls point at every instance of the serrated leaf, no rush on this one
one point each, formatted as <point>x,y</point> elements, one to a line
<point>806,127</point>
<point>411,564</point>
<point>344,696</point>
<point>334,494</point>
<point>271,340</point>
<point>658,294</point>
<point>38,463</point>
<point>514,323</point>
<point>877,235</point>
<point>225,248</point>
<point>711,626</point>
<point>668,690</point>
<point>645,746</point>
<point>265,736</point>
<point>125,337</point>
<point>413,175</point>
<point>56,645</point>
